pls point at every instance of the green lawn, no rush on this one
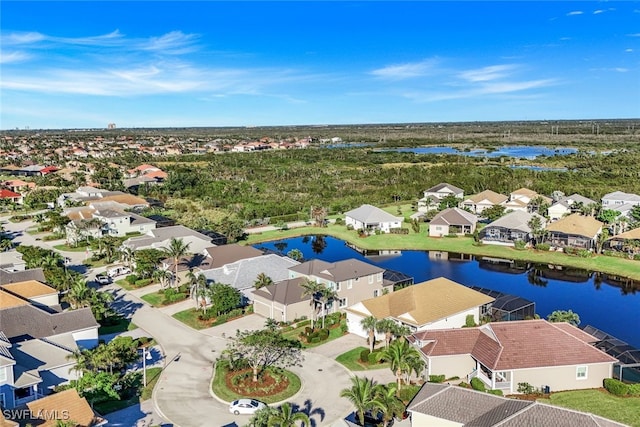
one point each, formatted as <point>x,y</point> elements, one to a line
<point>351,360</point>
<point>122,325</point>
<point>190,318</point>
<point>420,241</point>
<point>219,387</point>
<point>66,248</point>
<point>625,410</point>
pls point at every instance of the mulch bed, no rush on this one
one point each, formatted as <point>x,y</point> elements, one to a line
<point>269,383</point>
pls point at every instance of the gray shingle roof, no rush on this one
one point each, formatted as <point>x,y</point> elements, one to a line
<point>158,237</point>
<point>242,274</point>
<point>21,276</point>
<point>337,271</point>
<point>31,321</point>
<point>442,185</point>
<point>285,292</point>
<point>371,215</point>
<point>516,220</point>
<point>454,216</point>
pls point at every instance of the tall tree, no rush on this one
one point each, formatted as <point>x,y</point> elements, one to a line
<point>564,316</point>
<point>361,395</point>
<point>538,231</point>
<point>177,249</point>
<point>370,324</point>
<point>285,416</point>
<point>313,289</point>
<point>387,327</point>
<point>403,359</point>
<point>388,403</point>
<point>263,349</point>
<point>128,256</point>
<point>327,295</point>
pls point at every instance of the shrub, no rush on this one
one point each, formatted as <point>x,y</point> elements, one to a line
<point>519,245</point>
<point>364,356</point>
<point>323,334</point>
<point>633,389</point>
<point>207,315</point>
<point>349,227</point>
<point>496,392</point>
<point>464,384</point>
<point>373,358</point>
<point>132,279</point>
<point>451,235</point>
<point>344,328</point>
<point>615,387</point>
<point>477,384</point>
<point>142,282</point>
<point>543,247</point>
<point>469,321</point>
<point>525,388</point>
<point>436,378</point>
<point>314,340</point>
<point>584,253</point>
<point>339,221</point>
<point>408,392</point>
<point>401,230</point>
<point>302,323</point>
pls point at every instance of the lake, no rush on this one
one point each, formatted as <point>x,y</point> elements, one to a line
<point>600,301</point>
<point>519,151</point>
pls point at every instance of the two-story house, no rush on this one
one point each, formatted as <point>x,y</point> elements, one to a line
<point>566,206</point>
<point>478,202</point>
<point>351,279</point>
<point>433,195</point>
<point>105,220</point>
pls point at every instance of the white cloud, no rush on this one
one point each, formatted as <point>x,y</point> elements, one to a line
<point>597,12</point>
<point>485,89</point>
<point>175,42</point>
<point>13,57</point>
<point>405,71</point>
<point>628,50</point>
<point>493,72</point>
<point>634,35</point>
<point>575,12</point>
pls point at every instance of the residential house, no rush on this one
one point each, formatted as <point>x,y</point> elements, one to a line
<point>242,274</point>
<point>9,274</point>
<point>435,194</point>
<point>519,199</point>
<point>31,170</point>
<point>481,201</point>
<point>8,196</point>
<point>144,175</point>
<point>368,217</point>
<point>283,301</point>
<point>565,206</point>
<point>352,280</point>
<point>12,261</point>
<point>555,355</point>
<point>219,256</point>
<point>107,221</point>
<point>452,221</point>
<point>621,202</point>
<point>87,195</point>
<point>160,238</point>
<point>449,405</point>
<point>629,242</point>
<point>18,185</point>
<point>63,406</point>
<point>510,228</point>
<point>575,231</point>
<point>434,304</point>
<point>35,292</point>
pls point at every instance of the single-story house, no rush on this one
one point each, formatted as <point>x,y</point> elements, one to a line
<point>564,206</point>
<point>242,274</point>
<point>510,228</point>
<point>452,221</point>
<point>160,238</point>
<point>503,354</point>
<point>219,256</point>
<point>629,242</point>
<point>619,198</point>
<point>63,406</point>
<point>11,196</point>
<point>481,201</point>
<point>368,217</point>
<point>449,405</point>
<point>574,231</point>
<point>434,304</point>
<point>283,301</point>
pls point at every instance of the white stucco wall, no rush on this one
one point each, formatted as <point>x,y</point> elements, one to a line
<point>454,321</point>
<point>87,338</point>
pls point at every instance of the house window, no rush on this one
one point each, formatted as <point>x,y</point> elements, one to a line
<point>379,278</point>
<point>370,278</point>
<point>342,302</point>
<point>350,284</point>
<point>581,373</point>
<point>338,287</point>
<point>376,292</point>
<point>3,375</point>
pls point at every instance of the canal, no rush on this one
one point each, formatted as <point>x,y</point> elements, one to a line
<point>610,305</point>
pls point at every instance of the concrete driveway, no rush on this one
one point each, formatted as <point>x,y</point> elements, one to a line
<point>182,395</point>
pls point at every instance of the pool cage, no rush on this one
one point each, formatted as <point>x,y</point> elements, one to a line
<point>628,366</point>
<point>507,307</point>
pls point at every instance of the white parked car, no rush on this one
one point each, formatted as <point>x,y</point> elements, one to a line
<point>103,279</point>
<point>246,406</point>
<point>118,271</point>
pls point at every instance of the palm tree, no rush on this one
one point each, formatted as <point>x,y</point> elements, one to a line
<point>285,416</point>
<point>79,294</point>
<point>361,395</point>
<point>198,289</point>
<point>176,250</point>
<point>388,327</point>
<point>295,254</point>
<point>5,244</point>
<point>52,259</point>
<point>313,289</point>
<point>128,256</point>
<point>388,402</point>
<point>403,358</point>
<point>162,276</point>
<point>262,280</point>
<point>326,295</point>
<point>369,324</point>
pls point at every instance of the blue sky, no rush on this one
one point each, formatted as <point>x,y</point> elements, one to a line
<point>163,64</point>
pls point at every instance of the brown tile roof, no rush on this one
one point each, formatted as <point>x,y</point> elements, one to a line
<point>127,199</point>
<point>66,405</point>
<point>524,192</point>
<point>631,234</point>
<point>517,345</point>
<point>576,224</point>
<point>454,216</point>
<point>29,289</point>
<point>426,302</point>
<point>80,214</point>
<point>5,422</point>
<point>220,256</point>
<point>285,292</point>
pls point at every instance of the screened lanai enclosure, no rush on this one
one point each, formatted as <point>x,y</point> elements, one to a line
<point>508,307</point>
<point>627,368</point>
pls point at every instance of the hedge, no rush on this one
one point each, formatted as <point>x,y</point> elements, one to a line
<point>364,356</point>
<point>618,388</point>
<point>436,378</point>
<point>477,384</point>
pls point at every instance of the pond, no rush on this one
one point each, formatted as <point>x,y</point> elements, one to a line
<point>611,306</point>
<point>518,152</point>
